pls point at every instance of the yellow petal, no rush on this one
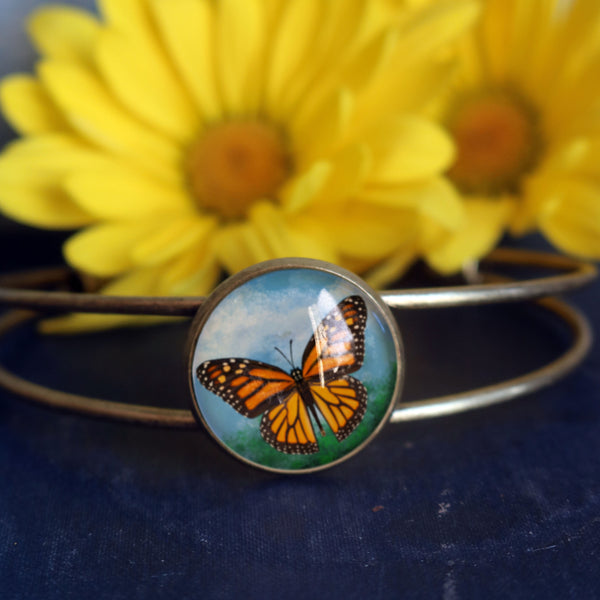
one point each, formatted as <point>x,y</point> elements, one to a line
<point>430,29</point>
<point>538,72</point>
<point>403,91</point>
<point>47,207</point>
<point>187,27</point>
<point>537,197</point>
<point>581,157</point>
<point>105,250</point>
<point>567,168</point>
<point>266,235</point>
<point>372,61</point>
<point>92,111</point>
<point>141,282</point>
<point>28,107</point>
<point>319,136</point>
<point>348,172</point>
<point>147,87</point>
<point>304,243</point>
<point>440,202</point>
<point>293,38</point>
<point>268,226</point>
<point>348,24</point>
<point>390,269</point>
<point>471,73</point>
<point>549,71</point>
<point>338,30</point>
<point>359,229</point>
<point>496,32</point>
<point>46,159</point>
<point>529,20</point>
<point>237,246</point>
<point>408,148</point>
<point>486,220</point>
<point>64,32</point>
<point>572,223</point>
<point>435,198</point>
<point>356,76</point>
<point>303,189</point>
<point>130,16</point>
<point>193,273</point>
<point>117,193</point>
<point>174,238</point>
<point>281,238</point>
<point>32,172</point>
<point>239,35</point>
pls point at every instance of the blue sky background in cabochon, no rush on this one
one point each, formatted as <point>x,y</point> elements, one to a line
<point>267,312</point>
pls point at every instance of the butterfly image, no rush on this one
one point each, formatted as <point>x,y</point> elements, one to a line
<point>289,401</point>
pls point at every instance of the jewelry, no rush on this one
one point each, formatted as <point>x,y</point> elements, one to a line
<point>294,365</point>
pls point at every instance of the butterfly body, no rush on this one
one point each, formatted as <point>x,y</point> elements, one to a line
<point>306,395</point>
<point>289,402</point>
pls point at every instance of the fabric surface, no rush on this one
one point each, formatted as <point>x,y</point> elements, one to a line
<point>500,503</point>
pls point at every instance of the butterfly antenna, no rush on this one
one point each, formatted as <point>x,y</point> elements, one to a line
<point>284,356</point>
<point>291,354</point>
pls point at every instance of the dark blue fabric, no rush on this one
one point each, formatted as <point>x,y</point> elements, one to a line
<point>502,503</point>
<point>499,503</point>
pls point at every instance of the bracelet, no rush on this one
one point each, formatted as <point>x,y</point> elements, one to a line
<point>306,346</point>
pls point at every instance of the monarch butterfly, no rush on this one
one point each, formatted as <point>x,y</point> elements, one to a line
<point>322,385</point>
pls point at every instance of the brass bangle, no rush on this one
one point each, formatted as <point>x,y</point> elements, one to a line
<point>578,274</point>
<point>297,384</point>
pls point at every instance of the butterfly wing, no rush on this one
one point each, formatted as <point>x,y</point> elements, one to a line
<point>288,428</point>
<point>342,402</point>
<point>250,386</point>
<point>337,347</point>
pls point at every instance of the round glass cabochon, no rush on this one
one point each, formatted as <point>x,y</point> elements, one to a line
<point>295,365</point>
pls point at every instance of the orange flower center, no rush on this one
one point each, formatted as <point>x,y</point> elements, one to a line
<point>235,164</point>
<point>498,140</point>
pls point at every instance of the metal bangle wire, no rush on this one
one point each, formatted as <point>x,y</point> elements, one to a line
<point>579,273</point>
<point>434,407</point>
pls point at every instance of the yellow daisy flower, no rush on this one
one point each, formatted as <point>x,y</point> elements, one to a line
<point>525,116</point>
<point>185,138</point>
